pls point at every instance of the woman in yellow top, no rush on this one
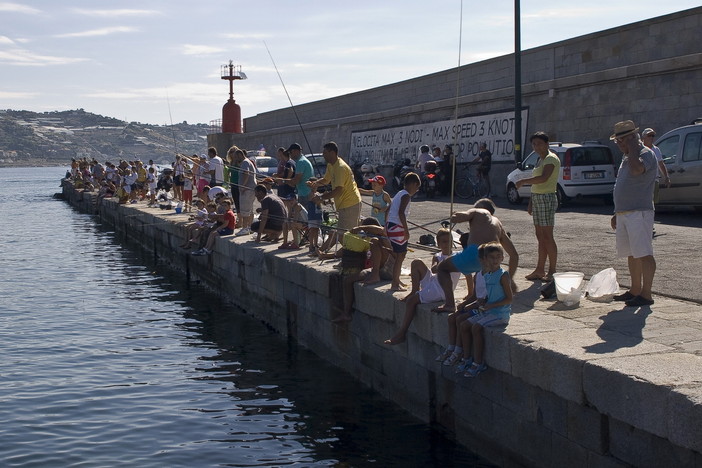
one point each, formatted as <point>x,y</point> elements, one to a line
<point>543,204</point>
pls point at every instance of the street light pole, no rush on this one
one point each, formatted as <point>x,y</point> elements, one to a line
<point>517,84</point>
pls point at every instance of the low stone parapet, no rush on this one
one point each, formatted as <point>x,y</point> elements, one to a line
<point>599,385</point>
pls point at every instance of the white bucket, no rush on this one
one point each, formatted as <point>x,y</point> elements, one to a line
<point>565,282</point>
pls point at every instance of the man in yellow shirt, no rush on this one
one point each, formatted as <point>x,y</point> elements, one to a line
<point>344,191</point>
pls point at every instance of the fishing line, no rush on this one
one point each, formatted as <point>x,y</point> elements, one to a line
<point>304,135</point>
<point>455,113</point>
<point>421,226</point>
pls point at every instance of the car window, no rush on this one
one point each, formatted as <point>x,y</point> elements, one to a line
<point>590,156</point>
<point>669,148</point>
<point>319,165</point>
<point>693,147</point>
<point>560,152</point>
<point>266,162</point>
<point>530,162</point>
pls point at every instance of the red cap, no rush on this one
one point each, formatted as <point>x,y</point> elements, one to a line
<point>380,179</point>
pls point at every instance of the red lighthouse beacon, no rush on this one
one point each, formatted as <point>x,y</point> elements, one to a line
<point>231,112</point>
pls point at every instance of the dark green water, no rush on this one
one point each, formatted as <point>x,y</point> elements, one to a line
<point>109,360</point>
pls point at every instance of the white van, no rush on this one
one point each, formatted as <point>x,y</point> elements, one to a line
<point>682,155</point>
<point>587,170</point>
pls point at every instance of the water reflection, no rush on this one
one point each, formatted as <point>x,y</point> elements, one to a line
<point>112,360</point>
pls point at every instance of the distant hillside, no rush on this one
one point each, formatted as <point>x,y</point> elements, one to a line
<point>35,139</point>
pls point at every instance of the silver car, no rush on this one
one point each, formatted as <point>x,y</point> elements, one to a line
<point>266,166</point>
<point>587,170</point>
<point>682,155</point>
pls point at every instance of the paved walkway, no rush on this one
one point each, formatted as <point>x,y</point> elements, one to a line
<point>673,323</point>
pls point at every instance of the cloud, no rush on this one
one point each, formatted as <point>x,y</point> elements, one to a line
<point>99,32</point>
<point>299,93</point>
<point>177,92</point>
<point>252,36</point>
<point>115,12</point>
<point>549,14</point>
<point>191,49</point>
<point>473,57</point>
<point>360,50</point>
<point>6,40</point>
<point>24,57</point>
<point>17,95</point>
<point>18,8</point>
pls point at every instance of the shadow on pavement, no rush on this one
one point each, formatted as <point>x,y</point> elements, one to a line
<point>525,299</point>
<point>620,329</point>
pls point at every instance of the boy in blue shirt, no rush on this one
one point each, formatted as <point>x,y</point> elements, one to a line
<point>495,312</point>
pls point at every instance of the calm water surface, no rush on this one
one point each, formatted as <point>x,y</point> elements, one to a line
<point>107,359</point>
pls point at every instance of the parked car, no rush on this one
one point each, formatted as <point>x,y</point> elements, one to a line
<point>682,155</point>
<point>266,165</point>
<point>587,170</point>
<point>319,165</point>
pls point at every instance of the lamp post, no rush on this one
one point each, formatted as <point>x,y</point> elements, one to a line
<point>517,84</point>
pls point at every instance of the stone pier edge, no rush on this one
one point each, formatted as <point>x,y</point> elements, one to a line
<point>538,404</point>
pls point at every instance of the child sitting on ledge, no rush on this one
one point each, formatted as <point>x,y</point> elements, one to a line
<point>495,312</point>
<point>425,285</point>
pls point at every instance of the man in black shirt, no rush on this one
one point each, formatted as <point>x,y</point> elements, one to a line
<point>484,161</point>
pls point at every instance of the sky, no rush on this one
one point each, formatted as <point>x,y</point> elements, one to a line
<point>159,61</point>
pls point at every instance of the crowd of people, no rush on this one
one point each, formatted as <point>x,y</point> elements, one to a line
<point>224,195</point>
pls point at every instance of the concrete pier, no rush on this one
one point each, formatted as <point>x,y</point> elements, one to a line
<point>596,386</point>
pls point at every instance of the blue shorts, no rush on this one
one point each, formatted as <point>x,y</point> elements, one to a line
<point>314,213</point>
<point>225,232</point>
<point>489,320</point>
<point>467,260</point>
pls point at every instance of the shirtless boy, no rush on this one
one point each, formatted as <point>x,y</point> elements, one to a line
<point>484,228</point>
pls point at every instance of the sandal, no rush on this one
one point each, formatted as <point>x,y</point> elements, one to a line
<point>475,369</point>
<point>444,355</point>
<point>627,296</point>
<point>452,359</point>
<point>639,301</point>
<point>535,276</point>
<point>464,365</point>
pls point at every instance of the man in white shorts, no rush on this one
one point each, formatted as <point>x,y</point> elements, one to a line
<point>633,212</point>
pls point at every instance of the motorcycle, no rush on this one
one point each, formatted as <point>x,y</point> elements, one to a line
<point>399,170</point>
<point>368,171</point>
<point>430,179</point>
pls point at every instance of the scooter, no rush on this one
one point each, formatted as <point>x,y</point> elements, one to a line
<point>368,171</point>
<point>400,169</point>
<point>430,179</point>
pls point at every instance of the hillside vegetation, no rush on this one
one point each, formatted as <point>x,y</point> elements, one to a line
<point>33,138</point>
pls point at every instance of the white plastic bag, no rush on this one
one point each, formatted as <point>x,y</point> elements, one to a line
<point>603,285</point>
<point>572,299</point>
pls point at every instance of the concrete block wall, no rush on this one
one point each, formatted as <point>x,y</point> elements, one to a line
<point>649,71</point>
<point>544,402</point>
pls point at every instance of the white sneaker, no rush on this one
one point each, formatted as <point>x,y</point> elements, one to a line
<point>243,231</point>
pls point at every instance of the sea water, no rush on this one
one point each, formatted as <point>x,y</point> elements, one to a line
<point>108,359</point>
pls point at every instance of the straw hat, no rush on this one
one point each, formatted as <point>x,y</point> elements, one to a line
<point>622,129</point>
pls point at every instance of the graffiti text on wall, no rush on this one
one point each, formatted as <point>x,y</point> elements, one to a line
<point>386,145</point>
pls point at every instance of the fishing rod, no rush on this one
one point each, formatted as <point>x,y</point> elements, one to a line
<point>420,226</point>
<point>228,166</point>
<point>455,112</point>
<point>168,101</point>
<point>304,135</point>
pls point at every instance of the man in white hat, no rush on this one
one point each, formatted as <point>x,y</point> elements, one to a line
<point>633,212</point>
